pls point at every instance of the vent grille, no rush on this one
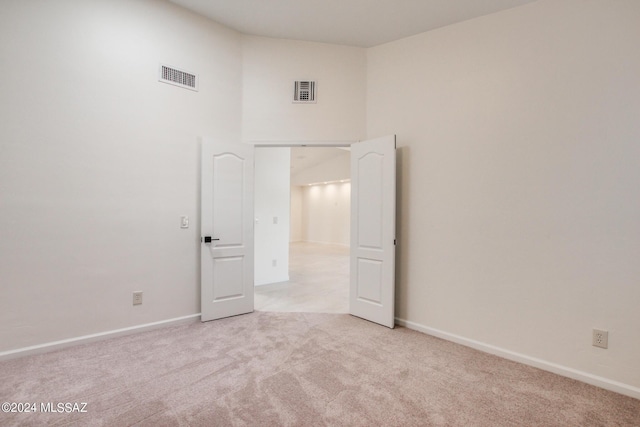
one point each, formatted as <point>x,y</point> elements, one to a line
<point>304,92</point>
<point>177,77</point>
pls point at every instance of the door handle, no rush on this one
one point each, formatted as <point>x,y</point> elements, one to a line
<point>208,239</point>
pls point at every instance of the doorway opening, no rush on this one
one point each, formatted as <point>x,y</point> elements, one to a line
<point>228,233</point>
<point>304,216</point>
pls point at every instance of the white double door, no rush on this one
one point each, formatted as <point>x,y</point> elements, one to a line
<point>227,230</point>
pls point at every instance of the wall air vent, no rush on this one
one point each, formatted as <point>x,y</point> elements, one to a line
<point>176,77</point>
<point>304,92</point>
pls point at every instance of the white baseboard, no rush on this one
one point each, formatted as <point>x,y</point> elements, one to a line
<point>317,242</point>
<point>57,345</point>
<point>284,278</point>
<point>618,387</point>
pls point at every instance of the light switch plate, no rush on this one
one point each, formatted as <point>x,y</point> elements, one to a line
<point>184,221</point>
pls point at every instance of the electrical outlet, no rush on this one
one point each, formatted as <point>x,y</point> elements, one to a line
<point>274,262</point>
<point>600,338</point>
<point>137,298</point>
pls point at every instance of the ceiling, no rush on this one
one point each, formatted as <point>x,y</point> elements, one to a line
<point>307,157</point>
<point>362,23</point>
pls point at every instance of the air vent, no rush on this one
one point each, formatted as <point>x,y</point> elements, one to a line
<point>305,92</point>
<point>176,77</point>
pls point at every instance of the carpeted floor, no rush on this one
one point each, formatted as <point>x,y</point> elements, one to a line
<point>298,369</point>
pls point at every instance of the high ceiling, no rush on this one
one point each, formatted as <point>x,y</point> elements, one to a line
<point>362,23</point>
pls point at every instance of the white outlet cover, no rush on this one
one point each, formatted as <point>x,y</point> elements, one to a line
<point>600,338</point>
<point>184,221</point>
<point>137,298</point>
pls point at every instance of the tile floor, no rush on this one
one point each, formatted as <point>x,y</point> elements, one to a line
<point>318,281</point>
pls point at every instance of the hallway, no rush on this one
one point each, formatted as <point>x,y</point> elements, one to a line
<point>318,281</point>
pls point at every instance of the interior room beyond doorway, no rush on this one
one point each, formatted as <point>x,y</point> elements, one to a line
<point>315,275</point>
<point>318,281</point>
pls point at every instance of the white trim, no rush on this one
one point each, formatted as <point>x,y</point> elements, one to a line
<point>318,242</point>
<point>299,143</point>
<point>618,387</point>
<point>57,345</point>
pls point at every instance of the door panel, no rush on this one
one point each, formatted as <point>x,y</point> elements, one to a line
<point>227,275</point>
<point>370,176</point>
<point>228,185</point>
<point>373,216</point>
<point>370,280</point>
<point>227,218</point>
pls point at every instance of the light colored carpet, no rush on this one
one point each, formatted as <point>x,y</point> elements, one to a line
<point>302,369</point>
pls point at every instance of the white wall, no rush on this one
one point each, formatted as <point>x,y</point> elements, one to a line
<point>326,213</point>
<point>98,161</point>
<point>520,164</point>
<point>270,68</point>
<point>272,213</point>
<point>296,214</point>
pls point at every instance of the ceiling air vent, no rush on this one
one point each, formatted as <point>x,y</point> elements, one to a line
<point>176,77</point>
<point>304,92</point>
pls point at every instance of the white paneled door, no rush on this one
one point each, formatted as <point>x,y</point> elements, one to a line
<point>226,229</point>
<point>373,217</point>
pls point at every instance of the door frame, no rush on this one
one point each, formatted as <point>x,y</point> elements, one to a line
<point>299,143</point>
<point>343,143</point>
